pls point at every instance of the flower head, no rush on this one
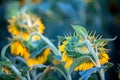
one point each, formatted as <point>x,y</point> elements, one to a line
<point>40,59</point>
<point>24,24</point>
<point>18,49</point>
<point>74,47</point>
<point>21,27</point>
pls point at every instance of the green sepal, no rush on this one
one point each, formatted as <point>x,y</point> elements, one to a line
<point>77,62</point>
<point>80,30</point>
<point>109,65</point>
<point>78,44</point>
<point>100,41</point>
<point>28,45</point>
<point>61,39</point>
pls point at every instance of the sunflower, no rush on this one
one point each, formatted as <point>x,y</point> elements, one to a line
<point>40,59</point>
<point>21,27</point>
<point>24,24</point>
<point>18,49</point>
<point>73,48</point>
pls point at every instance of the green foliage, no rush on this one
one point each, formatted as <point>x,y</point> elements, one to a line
<point>60,40</point>
<point>74,47</point>
<point>87,73</point>
<point>73,50</point>
<point>53,11</point>
<point>108,66</point>
<point>103,40</point>
<point>7,77</point>
<point>80,30</point>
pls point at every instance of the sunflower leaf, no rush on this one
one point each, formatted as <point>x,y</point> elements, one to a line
<point>87,73</point>
<point>80,31</point>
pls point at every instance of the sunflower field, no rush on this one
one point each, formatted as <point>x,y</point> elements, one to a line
<point>59,40</point>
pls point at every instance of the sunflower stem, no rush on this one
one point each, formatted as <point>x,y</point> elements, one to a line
<point>51,45</point>
<point>68,75</point>
<point>61,72</point>
<point>91,50</point>
<point>33,74</point>
<point>28,75</point>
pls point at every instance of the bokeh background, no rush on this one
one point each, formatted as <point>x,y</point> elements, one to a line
<point>102,16</point>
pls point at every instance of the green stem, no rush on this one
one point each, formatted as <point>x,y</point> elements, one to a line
<point>91,50</point>
<point>62,73</point>
<point>17,72</point>
<point>68,75</point>
<point>3,51</point>
<point>28,74</point>
<point>33,74</point>
<point>51,45</point>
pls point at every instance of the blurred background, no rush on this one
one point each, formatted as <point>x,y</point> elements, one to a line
<point>102,16</point>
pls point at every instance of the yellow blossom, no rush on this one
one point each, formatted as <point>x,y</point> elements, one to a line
<point>24,24</point>
<point>87,64</point>
<point>18,49</point>
<point>42,58</point>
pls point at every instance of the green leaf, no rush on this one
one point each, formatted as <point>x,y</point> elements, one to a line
<point>87,73</point>
<point>80,31</point>
<point>100,41</point>
<point>94,76</point>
